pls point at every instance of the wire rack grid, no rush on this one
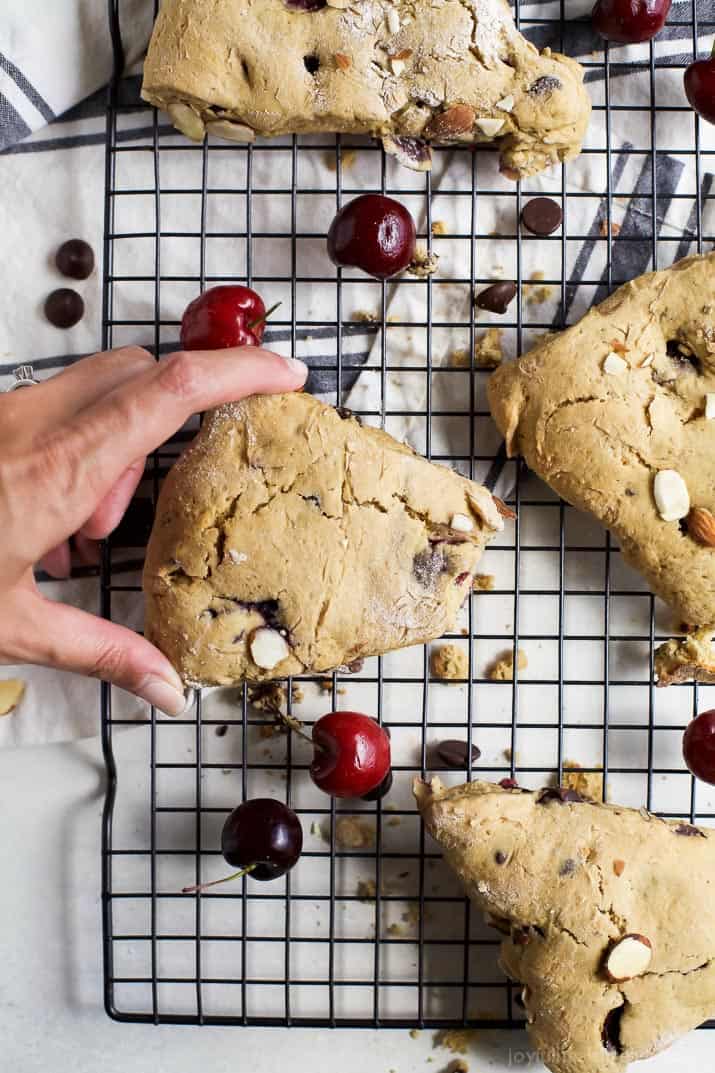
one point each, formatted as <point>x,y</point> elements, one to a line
<point>369,929</point>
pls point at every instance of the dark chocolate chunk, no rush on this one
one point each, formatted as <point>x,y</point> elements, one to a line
<point>305,5</point>
<point>380,790</point>
<point>454,753</point>
<point>568,867</point>
<point>346,414</point>
<point>561,794</point>
<point>410,152</point>
<point>496,299</point>
<point>683,355</point>
<point>75,259</point>
<point>611,1031</point>
<point>688,831</point>
<point>222,730</point>
<point>500,857</point>
<point>267,608</point>
<point>542,216</point>
<point>64,307</point>
<point>544,86</point>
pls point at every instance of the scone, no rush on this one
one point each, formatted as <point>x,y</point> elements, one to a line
<point>691,657</point>
<point>616,414</point>
<point>607,913</point>
<point>291,539</point>
<point>409,72</point>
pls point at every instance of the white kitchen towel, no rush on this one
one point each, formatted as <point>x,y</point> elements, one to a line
<point>53,185</point>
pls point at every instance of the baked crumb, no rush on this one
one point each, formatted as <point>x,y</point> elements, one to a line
<point>483,582</point>
<point>325,685</point>
<point>457,1065</point>
<point>316,830</point>
<point>412,915</point>
<point>273,697</point>
<point>503,669</point>
<point>397,930</point>
<point>414,1033</point>
<point>488,351</point>
<point>352,832</point>
<point>588,783</point>
<point>424,263</point>
<point>394,821</point>
<point>347,157</point>
<point>449,662</point>
<point>364,316</point>
<point>366,890</point>
<point>536,295</point>
<point>456,1040</point>
<point>439,227</point>
<point>603,229</point>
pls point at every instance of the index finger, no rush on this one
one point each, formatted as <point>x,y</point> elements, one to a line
<point>85,457</point>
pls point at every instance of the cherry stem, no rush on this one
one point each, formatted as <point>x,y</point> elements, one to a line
<point>264,318</point>
<point>226,879</point>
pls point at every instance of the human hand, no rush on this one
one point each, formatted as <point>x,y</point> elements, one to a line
<point>72,452</point>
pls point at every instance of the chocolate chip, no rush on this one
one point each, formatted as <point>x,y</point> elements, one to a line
<point>500,857</point>
<point>542,216</point>
<point>630,493</point>
<point>544,86</point>
<point>268,609</point>
<point>305,5</point>
<point>64,307</point>
<point>496,299</point>
<point>568,867</point>
<point>380,790</point>
<point>346,414</point>
<point>688,831</point>
<point>611,1031</point>
<point>412,153</point>
<point>311,64</point>
<point>561,794</point>
<point>683,355</point>
<point>75,258</point>
<point>222,730</point>
<point>454,753</point>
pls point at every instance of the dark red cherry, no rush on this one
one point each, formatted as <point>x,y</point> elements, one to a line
<point>700,87</point>
<point>628,22</point>
<point>352,754</point>
<point>699,746</point>
<point>374,233</point>
<point>223,317</point>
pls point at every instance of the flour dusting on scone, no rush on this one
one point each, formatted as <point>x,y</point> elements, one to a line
<point>607,912</point>
<point>614,414</point>
<point>410,72</point>
<point>291,539</point>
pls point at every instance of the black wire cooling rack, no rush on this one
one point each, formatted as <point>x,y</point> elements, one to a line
<point>369,929</point>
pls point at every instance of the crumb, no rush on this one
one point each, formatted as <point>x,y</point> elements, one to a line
<point>537,277</point>
<point>317,830</point>
<point>439,227</point>
<point>536,296</point>
<point>325,685</point>
<point>394,821</point>
<point>366,890</point>
<point>488,351</point>
<point>267,730</point>
<point>497,270</point>
<point>503,669</point>
<point>423,264</point>
<point>396,929</point>
<point>507,754</point>
<point>588,783</point>
<point>272,697</point>
<point>390,807</point>
<point>450,662</point>
<point>464,631</point>
<point>220,732</point>
<point>459,359</point>
<point>412,915</point>
<point>352,832</point>
<point>483,582</point>
<point>347,158</point>
<point>457,1065</point>
<point>414,1033</point>
<point>603,229</point>
<point>364,316</point>
<point>456,1040</point>
<point>297,695</point>
<point>12,691</point>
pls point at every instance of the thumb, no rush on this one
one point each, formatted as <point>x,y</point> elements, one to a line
<point>74,640</point>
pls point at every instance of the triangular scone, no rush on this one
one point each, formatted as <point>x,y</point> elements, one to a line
<point>407,71</point>
<point>608,913</point>
<point>602,410</point>
<point>290,539</point>
<point>691,657</point>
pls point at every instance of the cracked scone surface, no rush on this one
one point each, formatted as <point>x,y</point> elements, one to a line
<point>288,517</point>
<point>566,880</point>
<point>389,68</point>
<point>600,438</point>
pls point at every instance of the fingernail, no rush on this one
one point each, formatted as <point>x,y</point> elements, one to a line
<point>297,366</point>
<point>167,697</point>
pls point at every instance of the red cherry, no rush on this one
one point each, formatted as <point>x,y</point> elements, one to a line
<point>352,754</point>
<point>223,317</point>
<point>700,87</point>
<point>699,746</point>
<point>374,233</point>
<point>628,22</point>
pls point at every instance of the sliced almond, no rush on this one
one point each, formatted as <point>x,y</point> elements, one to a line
<point>343,62</point>
<point>231,132</point>
<point>490,127</point>
<point>671,495</point>
<point>459,119</point>
<point>614,364</point>
<point>268,648</point>
<point>461,523</point>
<point>647,360</point>
<point>482,503</point>
<point>397,66</point>
<point>11,693</point>
<point>506,512</point>
<point>506,104</point>
<point>393,20</point>
<point>630,957</point>
<point>710,406</point>
<point>186,120</point>
<point>701,526</point>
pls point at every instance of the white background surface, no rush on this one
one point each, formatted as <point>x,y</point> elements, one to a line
<point>50,982</point>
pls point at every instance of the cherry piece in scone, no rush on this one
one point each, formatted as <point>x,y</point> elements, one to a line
<point>262,838</point>
<point>230,315</point>
<point>374,233</point>
<point>629,22</point>
<point>352,754</point>
<point>699,746</point>
<point>700,87</point>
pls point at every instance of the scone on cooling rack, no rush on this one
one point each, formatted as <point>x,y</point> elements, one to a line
<point>617,414</point>
<point>409,72</point>
<point>291,539</point>
<point>607,915</point>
